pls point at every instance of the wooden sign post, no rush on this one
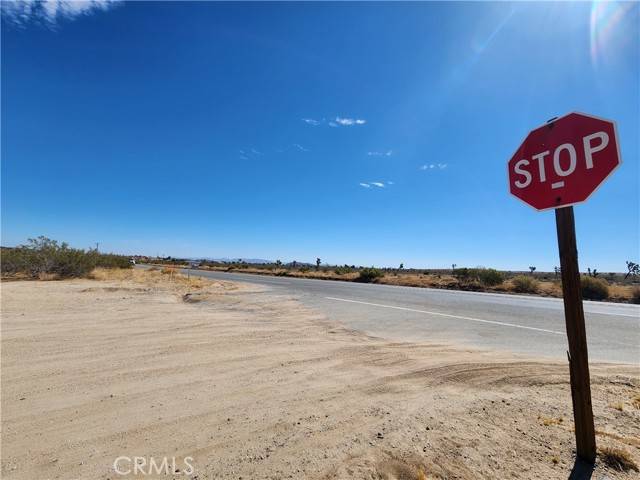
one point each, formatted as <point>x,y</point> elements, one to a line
<point>558,165</point>
<point>576,334</point>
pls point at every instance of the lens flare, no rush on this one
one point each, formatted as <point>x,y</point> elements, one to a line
<point>605,17</point>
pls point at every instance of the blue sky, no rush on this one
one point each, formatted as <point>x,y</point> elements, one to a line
<point>364,133</point>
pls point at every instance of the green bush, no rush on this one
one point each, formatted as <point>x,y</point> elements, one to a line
<point>343,270</point>
<point>487,277</point>
<point>462,274</point>
<point>110,260</point>
<point>594,288</point>
<point>369,274</point>
<point>525,284</point>
<point>45,256</point>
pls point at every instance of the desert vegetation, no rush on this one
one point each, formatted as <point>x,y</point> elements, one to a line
<point>367,275</point>
<point>594,288</point>
<point>525,284</point>
<point>618,459</point>
<point>596,285</point>
<point>43,258</point>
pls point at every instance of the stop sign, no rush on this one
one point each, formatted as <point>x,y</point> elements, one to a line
<point>563,162</point>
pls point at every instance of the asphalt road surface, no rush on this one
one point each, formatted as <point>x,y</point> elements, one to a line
<point>517,323</point>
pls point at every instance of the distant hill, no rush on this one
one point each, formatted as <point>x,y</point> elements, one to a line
<point>232,260</point>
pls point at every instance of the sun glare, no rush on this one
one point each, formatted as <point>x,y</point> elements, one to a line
<point>606,22</point>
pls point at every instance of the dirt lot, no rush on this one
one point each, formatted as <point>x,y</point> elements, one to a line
<point>253,386</point>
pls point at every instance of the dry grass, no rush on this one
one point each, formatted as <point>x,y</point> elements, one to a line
<point>618,459</point>
<point>633,441</point>
<point>548,421</point>
<point>618,406</point>
<point>551,289</point>
<point>621,292</point>
<point>635,401</point>
<point>417,280</point>
<point>166,278</point>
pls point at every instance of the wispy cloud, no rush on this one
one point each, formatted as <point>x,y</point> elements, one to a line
<point>295,146</point>
<point>337,122</point>
<point>349,121</point>
<point>433,166</point>
<point>375,184</point>
<point>249,154</point>
<point>387,153</point>
<point>50,12</point>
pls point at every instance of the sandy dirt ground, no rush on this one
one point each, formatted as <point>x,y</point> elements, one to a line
<point>251,385</point>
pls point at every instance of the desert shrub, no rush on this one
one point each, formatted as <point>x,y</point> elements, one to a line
<point>594,288</point>
<point>462,274</point>
<point>525,284</point>
<point>369,274</point>
<point>304,269</point>
<point>42,256</point>
<point>14,260</point>
<point>110,260</point>
<point>488,276</point>
<point>342,270</point>
<point>635,295</point>
<point>617,459</point>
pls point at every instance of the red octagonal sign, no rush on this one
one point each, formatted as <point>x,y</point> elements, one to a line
<point>564,161</point>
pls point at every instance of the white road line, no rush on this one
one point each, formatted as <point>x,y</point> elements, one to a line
<point>471,319</point>
<point>614,314</point>
<point>261,280</point>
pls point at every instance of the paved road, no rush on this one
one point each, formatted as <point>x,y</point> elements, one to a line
<point>529,325</point>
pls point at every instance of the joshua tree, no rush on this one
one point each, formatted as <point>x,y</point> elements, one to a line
<point>294,264</point>
<point>453,267</point>
<point>278,263</point>
<point>401,266</point>
<point>557,271</point>
<point>592,273</point>
<point>318,263</point>
<point>533,269</point>
<point>633,269</point>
